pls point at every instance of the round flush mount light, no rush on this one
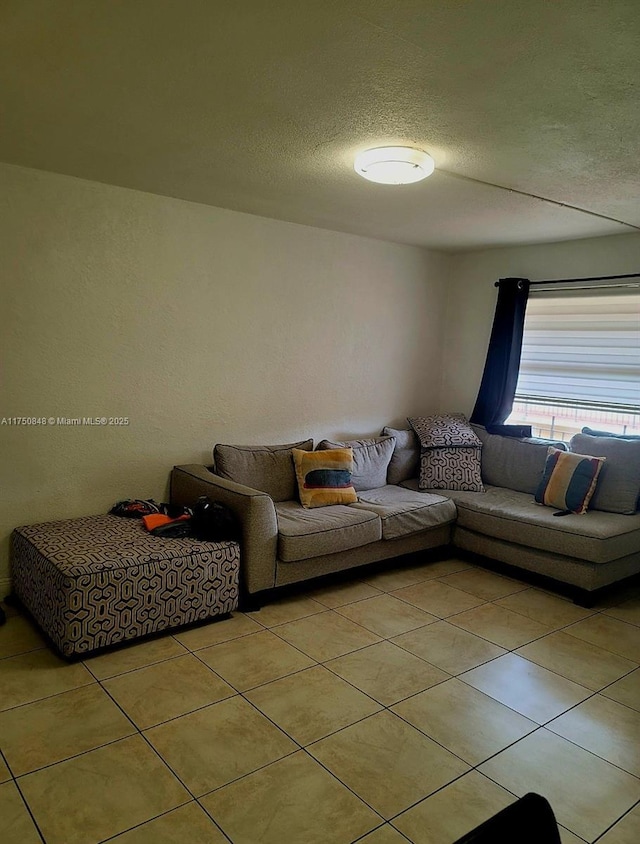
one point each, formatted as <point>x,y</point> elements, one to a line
<point>394,165</point>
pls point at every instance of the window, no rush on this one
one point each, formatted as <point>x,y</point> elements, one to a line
<point>580,363</point>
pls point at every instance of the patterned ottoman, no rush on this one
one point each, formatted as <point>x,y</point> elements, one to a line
<point>100,580</point>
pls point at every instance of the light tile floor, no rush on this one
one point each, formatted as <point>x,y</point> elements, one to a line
<point>408,705</point>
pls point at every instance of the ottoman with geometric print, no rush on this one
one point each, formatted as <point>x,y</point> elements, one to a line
<point>100,580</point>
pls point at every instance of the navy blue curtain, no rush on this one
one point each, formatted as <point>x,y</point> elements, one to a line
<point>498,386</point>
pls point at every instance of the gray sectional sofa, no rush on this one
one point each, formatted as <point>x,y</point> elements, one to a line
<point>284,543</point>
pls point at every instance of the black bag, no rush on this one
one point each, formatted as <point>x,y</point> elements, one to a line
<point>213,522</point>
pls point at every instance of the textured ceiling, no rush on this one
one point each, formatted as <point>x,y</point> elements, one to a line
<point>261,105</point>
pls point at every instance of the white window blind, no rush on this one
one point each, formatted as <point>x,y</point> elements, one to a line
<point>582,347</point>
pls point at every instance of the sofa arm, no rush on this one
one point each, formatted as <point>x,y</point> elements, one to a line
<point>253,509</point>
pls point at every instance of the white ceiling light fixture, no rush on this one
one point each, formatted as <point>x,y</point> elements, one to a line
<point>394,165</point>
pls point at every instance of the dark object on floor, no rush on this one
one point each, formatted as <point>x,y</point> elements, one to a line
<point>11,600</point>
<point>530,820</point>
<point>213,522</point>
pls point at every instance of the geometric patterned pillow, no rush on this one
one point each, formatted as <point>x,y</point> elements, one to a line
<point>324,477</point>
<point>569,480</point>
<point>454,467</point>
<point>450,453</point>
<point>451,429</point>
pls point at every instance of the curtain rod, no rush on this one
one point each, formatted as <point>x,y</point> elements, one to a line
<point>569,280</point>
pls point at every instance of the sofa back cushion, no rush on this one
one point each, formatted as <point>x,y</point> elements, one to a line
<point>405,460</point>
<point>619,483</point>
<point>371,458</point>
<point>268,468</point>
<point>610,434</point>
<point>513,462</point>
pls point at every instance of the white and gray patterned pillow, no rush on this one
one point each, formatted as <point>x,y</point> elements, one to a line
<point>450,455</point>
<point>456,467</point>
<point>451,429</point>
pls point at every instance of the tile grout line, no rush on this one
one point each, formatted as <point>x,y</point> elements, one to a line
<point>304,748</point>
<point>323,664</point>
<point>162,815</point>
<point>636,805</point>
<point>299,746</point>
<point>586,749</point>
<point>92,682</point>
<point>14,780</point>
<point>561,629</point>
<point>136,731</point>
<point>441,788</point>
<point>360,720</point>
<point>310,656</point>
<point>512,650</point>
<point>24,653</point>
<point>384,707</point>
<point>551,671</point>
<point>375,700</point>
<point>472,766</point>
<point>196,654</point>
<point>75,756</point>
<point>132,670</point>
<point>539,726</point>
<point>362,838</point>
<point>343,784</point>
<point>164,763</point>
<point>266,682</point>
<point>318,664</point>
<point>544,725</point>
<point>483,662</point>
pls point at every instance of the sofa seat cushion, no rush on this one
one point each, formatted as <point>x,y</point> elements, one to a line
<point>304,533</point>
<point>594,536</point>
<point>403,512</point>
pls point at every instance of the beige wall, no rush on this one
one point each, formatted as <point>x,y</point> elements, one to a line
<point>471,297</point>
<point>200,325</point>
